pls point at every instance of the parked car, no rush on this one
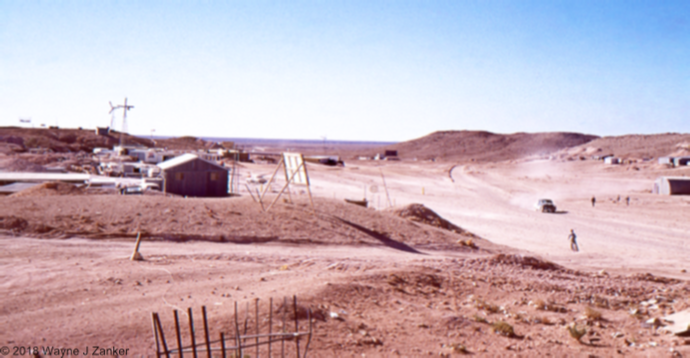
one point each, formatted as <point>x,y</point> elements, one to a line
<point>138,189</point>
<point>545,206</point>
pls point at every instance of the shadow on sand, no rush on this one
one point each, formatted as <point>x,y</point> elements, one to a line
<point>381,237</point>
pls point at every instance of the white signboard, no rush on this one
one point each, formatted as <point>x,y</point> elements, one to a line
<point>294,165</point>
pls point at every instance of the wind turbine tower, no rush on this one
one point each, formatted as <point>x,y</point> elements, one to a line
<point>125,108</point>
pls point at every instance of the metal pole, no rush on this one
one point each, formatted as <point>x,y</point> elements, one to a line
<point>386,187</point>
<point>191,331</point>
<point>165,345</point>
<point>177,333</point>
<point>256,306</point>
<point>155,334</point>
<point>208,343</point>
<point>246,318</point>
<point>285,308</point>
<point>237,333</point>
<point>294,307</point>
<point>222,344</point>
<point>270,325</point>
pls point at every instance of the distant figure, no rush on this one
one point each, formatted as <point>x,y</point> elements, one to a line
<point>573,240</point>
<point>594,201</point>
<point>627,200</point>
<point>618,200</point>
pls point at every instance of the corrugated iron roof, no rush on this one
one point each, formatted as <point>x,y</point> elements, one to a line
<point>16,187</point>
<point>673,178</point>
<point>184,158</point>
<point>26,177</point>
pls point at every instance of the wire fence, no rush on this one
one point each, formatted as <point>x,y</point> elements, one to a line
<point>244,336</point>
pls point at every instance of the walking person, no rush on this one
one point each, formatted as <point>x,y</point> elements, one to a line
<point>573,240</point>
<point>627,201</point>
<point>594,201</point>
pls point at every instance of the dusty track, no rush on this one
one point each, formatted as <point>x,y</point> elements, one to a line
<point>495,201</point>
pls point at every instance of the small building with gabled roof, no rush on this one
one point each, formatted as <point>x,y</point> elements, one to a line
<point>190,175</point>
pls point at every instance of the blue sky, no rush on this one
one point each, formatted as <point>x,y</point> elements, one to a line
<point>348,70</point>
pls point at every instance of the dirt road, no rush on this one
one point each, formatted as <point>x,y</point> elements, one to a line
<point>496,202</point>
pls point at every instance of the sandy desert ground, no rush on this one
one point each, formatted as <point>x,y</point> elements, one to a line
<point>400,288</point>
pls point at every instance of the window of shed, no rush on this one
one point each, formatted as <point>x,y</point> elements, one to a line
<point>179,176</point>
<point>215,176</point>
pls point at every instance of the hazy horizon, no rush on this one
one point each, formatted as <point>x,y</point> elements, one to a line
<point>355,140</point>
<point>348,70</point>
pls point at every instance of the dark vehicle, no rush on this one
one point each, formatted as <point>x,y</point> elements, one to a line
<point>545,206</point>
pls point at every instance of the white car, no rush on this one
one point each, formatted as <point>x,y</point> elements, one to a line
<point>545,206</point>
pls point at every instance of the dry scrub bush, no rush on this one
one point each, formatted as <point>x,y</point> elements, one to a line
<point>576,333</point>
<point>503,328</point>
<point>458,348</point>
<point>543,320</point>
<point>600,302</point>
<point>468,243</point>
<point>547,306</point>
<point>592,314</point>
<point>480,319</point>
<point>486,306</point>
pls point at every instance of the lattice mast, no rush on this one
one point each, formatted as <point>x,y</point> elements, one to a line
<point>125,108</point>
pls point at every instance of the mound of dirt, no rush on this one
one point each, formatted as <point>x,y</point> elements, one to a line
<point>526,262</point>
<point>486,146</point>
<point>643,146</point>
<point>222,220</point>
<point>50,189</point>
<point>444,310</point>
<point>421,214</point>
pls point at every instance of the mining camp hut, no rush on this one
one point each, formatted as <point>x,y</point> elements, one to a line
<point>672,186</point>
<point>190,175</point>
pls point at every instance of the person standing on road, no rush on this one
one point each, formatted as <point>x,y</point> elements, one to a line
<point>594,201</point>
<point>573,240</point>
<point>627,201</point>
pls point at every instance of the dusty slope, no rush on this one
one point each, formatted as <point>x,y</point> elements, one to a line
<point>486,146</point>
<point>64,139</point>
<point>185,143</point>
<point>642,146</point>
<point>223,220</point>
<point>454,307</point>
